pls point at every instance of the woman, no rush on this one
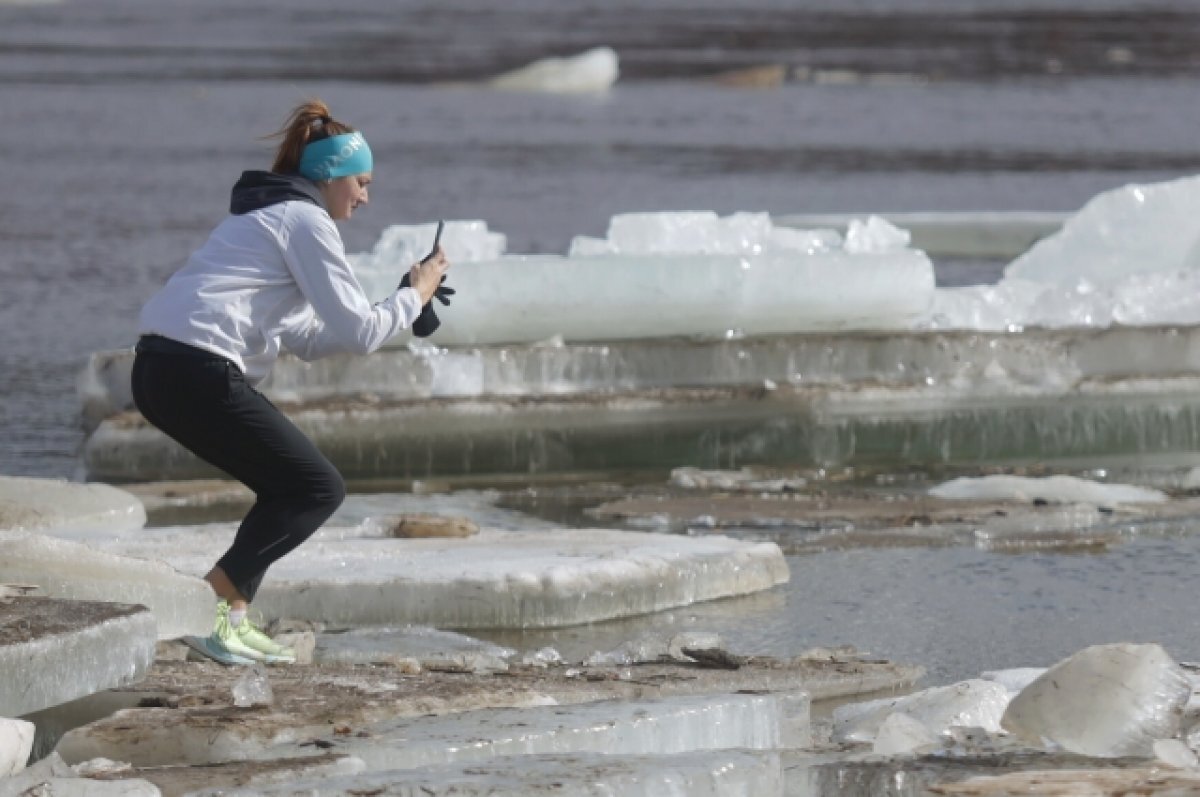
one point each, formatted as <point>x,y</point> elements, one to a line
<point>273,275</point>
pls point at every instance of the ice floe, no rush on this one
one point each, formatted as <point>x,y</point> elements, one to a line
<point>1051,489</point>
<point>592,71</point>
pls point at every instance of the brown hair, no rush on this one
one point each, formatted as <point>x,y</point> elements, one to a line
<point>309,121</point>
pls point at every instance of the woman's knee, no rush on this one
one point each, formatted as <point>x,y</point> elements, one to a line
<point>329,489</point>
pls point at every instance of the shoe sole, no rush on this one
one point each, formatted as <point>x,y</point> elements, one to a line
<point>205,647</point>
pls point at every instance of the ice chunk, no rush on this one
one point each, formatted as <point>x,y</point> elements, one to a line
<point>253,688</point>
<point>543,657</point>
<point>875,236</point>
<point>1055,489</point>
<point>651,647</point>
<point>54,504</point>
<point>900,734</point>
<point>712,773</point>
<point>701,233</point>
<point>63,650</point>
<point>181,604</point>
<point>444,651</point>
<point>1105,700</point>
<point>591,71</point>
<point>1130,230</point>
<point>16,742</point>
<point>974,703</point>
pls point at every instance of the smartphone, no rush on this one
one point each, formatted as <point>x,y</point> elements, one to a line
<point>437,239</point>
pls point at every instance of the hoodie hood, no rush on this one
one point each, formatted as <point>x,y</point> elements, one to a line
<point>256,190</point>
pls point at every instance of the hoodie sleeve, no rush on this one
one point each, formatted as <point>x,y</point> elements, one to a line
<point>343,319</point>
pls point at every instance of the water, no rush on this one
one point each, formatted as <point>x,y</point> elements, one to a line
<point>133,118</point>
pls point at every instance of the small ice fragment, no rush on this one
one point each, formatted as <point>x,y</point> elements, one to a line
<point>875,236</point>
<point>974,703</point>
<point>252,688</point>
<point>1016,679</point>
<point>542,658</point>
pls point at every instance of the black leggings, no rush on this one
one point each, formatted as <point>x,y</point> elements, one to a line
<point>203,401</point>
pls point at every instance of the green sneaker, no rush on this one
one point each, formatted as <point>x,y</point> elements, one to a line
<point>247,641</point>
<point>254,638</point>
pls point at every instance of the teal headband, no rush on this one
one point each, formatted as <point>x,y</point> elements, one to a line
<point>336,156</point>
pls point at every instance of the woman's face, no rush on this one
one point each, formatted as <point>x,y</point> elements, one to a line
<point>343,194</point>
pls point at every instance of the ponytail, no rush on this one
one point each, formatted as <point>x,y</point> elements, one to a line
<point>310,121</point>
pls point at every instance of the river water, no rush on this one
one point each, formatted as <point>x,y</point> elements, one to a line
<point>132,118</point>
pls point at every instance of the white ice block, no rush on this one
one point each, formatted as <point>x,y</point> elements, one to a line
<point>84,648</point>
<point>519,579</point>
<point>1106,700</point>
<point>712,773</point>
<point>54,504</point>
<point>1054,489</point>
<point>974,703</point>
<point>663,275</point>
<point>589,72</point>
<point>431,648</point>
<point>16,742</point>
<point>181,604</point>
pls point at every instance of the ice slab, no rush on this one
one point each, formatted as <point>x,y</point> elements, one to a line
<point>775,285</point>
<point>50,777</point>
<point>70,570</point>
<point>670,725</point>
<point>443,651</point>
<point>1053,489</point>
<point>712,773</point>
<point>16,742</point>
<point>1005,363</point>
<point>41,504</point>
<point>345,577</point>
<point>589,72</point>
<point>52,651</point>
<point>974,703</point>
<point>1105,700</point>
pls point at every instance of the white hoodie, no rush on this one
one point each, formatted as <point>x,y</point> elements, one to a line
<point>270,278</point>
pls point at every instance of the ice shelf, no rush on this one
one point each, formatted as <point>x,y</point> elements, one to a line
<point>712,773</point>
<point>632,726</point>
<point>670,725</point>
<point>712,428</point>
<point>351,577</point>
<point>181,604</point>
<point>52,651</point>
<point>38,504</point>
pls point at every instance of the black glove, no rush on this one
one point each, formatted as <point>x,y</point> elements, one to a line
<point>427,322</point>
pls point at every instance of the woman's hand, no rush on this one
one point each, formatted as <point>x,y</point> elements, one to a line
<point>427,275</point>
